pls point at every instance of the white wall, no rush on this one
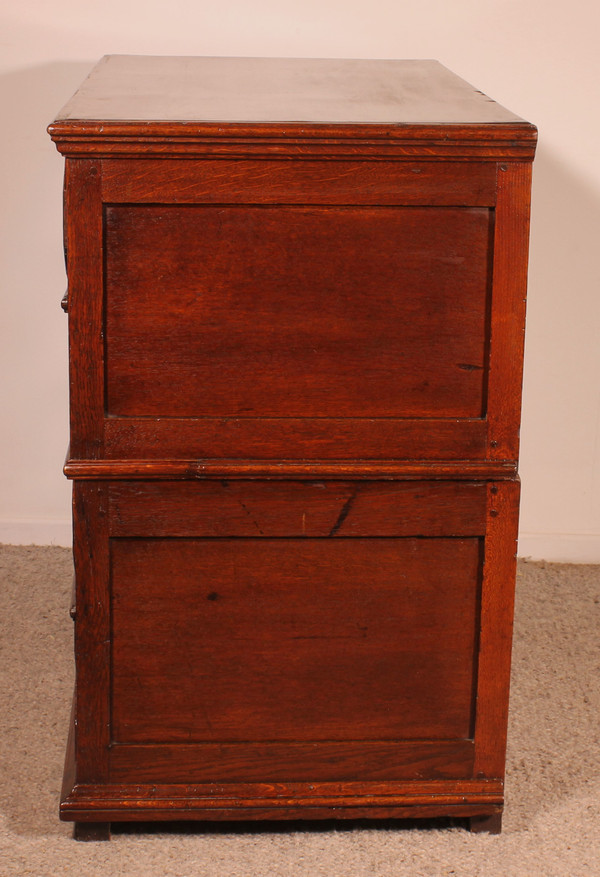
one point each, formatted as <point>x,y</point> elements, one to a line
<point>537,57</point>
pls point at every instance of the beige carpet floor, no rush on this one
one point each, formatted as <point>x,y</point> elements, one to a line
<point>551,822</point>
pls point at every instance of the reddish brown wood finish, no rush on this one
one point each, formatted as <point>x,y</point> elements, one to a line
<point>83,247</point>
<point>357,182</point>
<point>508,328</point>
<point>391,322</point>
<point>430,360</point>
<point>92,631</point>
<point>354,800</point>
<point>320,762</point>
<point>295,364</point>
<point>292,509</point>
<point>497,603</point>
<point>160,470</point>
<point>309,639</point>
<point>211,441</point>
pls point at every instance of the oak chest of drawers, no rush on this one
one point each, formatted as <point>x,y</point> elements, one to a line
<point>296,311</point>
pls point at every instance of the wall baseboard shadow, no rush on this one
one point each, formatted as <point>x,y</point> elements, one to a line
<point>33,531</point>
<point>560,547</point>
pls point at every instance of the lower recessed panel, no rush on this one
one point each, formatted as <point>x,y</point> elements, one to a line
<point>284,652</point>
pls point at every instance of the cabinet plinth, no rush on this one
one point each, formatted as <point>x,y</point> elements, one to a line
<point>296,324</point>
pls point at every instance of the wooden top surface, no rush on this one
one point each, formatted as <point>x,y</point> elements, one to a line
<point>130,88</point>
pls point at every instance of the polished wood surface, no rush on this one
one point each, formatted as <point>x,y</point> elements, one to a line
<point>296,331</point>
<point>263,801</point>
<point>162,88</point>
<point>352,182</point>
<point>160,470</point>
<point>427,384</point>
<point>328,336</point>
<point>206,442</point>
<point>295,508</point>
<point>285,106</point>
<point>308,639</point>
<point>320,761</point>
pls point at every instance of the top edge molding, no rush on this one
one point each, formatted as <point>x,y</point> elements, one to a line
<point>79,139</point>
<point>182,105</point>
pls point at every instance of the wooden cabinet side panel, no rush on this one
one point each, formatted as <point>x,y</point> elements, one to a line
<point>483,659</point>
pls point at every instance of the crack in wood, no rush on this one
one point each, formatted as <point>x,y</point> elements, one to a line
<point>344,512</point>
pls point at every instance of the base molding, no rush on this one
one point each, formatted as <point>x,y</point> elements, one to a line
<point>250,801</point>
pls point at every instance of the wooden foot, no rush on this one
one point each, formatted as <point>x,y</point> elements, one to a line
<point>491,824</point>
<point>91,831</point>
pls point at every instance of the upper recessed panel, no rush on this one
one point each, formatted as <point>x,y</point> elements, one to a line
<point>255,90</point>
<point>257,311</point>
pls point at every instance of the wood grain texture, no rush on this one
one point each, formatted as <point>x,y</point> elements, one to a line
<point>296,311</point>
<point>233,90</point>
<point>207,443</point>
<point>160,470</point>
<point>458,143</point>
<point>218,794</point>
<point>280,762</point>
<point>224,106</point>
<point>497,607</point>
<point>311,510</point>
<point>251,181</point>
<point>295,327</point>
<point>408,799</point>
<point>83,242</point>
<point>124,811</point>
<point>508,324</point>
<point>92,631</point>
<point>293,639</point>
